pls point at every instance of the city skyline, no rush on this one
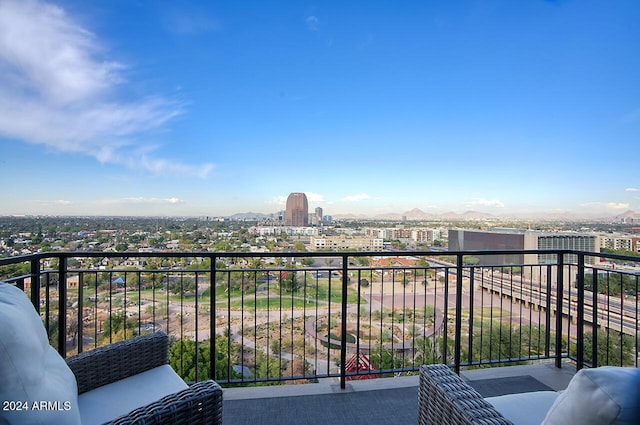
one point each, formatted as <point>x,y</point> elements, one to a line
<point>190,109</point>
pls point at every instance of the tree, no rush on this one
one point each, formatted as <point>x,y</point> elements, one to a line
<point>308,261</point>
<point>267,367</point>
<point>289,281</point>
<point>182,358</point>
<point>614,348</point>
<point>385,358</point>
<point>611,283</point>
<point>117,328</point>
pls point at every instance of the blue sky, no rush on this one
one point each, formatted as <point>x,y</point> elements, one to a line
<point>148,107</point>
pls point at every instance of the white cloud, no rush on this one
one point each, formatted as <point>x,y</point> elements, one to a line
<point>495,203</point>
<point>314,197</point>
<point>357,197</point>
<point>277,200</point>
<point>57,89</point>
<point>313,23</point>
<point>607,205</point>
<point>142,200</point>
<point>632,189</point>
<point>282,199</point>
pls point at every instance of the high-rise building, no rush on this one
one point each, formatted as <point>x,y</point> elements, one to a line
<point>297,212</point>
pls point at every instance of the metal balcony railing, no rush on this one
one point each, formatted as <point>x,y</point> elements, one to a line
<point>249,318</point>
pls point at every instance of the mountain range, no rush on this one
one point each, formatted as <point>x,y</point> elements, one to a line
<point>417,214</point>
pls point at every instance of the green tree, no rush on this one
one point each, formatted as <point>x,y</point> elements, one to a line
<point>183,359</point>
<point>267,367</point>
<point>385,358</point>
<point>117,327</point>
<point>289,281</point>
<point>612,283</point>
<point>308,261</point>
<point>614,348</point>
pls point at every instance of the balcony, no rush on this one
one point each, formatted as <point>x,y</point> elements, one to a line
<point>344,323</point>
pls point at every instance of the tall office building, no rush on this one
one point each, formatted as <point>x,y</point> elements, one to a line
<point>297,212</point>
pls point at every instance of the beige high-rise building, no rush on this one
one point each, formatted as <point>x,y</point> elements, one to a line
<point>297,212</point>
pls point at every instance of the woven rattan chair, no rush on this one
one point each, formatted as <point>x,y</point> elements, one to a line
<point>602,395</point>
<point>444,398</point>
<point>201,403</point>
<point>129,382</point>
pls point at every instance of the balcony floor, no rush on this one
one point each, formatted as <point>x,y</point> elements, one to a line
<point>378,401</point>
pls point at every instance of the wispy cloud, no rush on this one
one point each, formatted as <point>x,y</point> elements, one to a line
<point>142,200</point>
<point>357,197</point>
<point>607,205</point>
<point>311,198</point>
<point>314,197</point>
<point>632,189</point>
<point>632,117</point>
<point>278,201</point>
<point>495,203</point>
<point>313,23</point>
<point>57,89</point>
<point>188,20</point>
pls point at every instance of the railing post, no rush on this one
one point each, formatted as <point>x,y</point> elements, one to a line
<point>547,334</point>
<point>80,336</point>
<point>35,283</point>
<point>212,319</point>
<point>458,339</point>
<point>343,324</point>
<point>62,306</point>
<point>472,274</point>
<point>580,313</point>
<point>594,327</point>
<point>559,305</point>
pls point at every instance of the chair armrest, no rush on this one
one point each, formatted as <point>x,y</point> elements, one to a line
<point>199,404</point>
<point>444,398</point>
<point>120,360</point>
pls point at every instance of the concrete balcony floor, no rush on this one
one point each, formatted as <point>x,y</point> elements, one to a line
<point>376,401</point>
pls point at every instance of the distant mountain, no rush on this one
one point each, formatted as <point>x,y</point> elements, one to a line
<point>417,214</point>
<point>249,216</point>
<point>627,216</point>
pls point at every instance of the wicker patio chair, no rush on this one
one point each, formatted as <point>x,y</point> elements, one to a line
<point>444,398</point>
<point>129,382</point>
<point>201,403</point>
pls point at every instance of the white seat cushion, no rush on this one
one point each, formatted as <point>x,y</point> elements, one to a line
<point>110,401</point>
<point>604,395</point>
<point>525,408</point>
<point>31,371</point>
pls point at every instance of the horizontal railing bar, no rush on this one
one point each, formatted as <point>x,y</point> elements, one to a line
<point>398,319</point>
